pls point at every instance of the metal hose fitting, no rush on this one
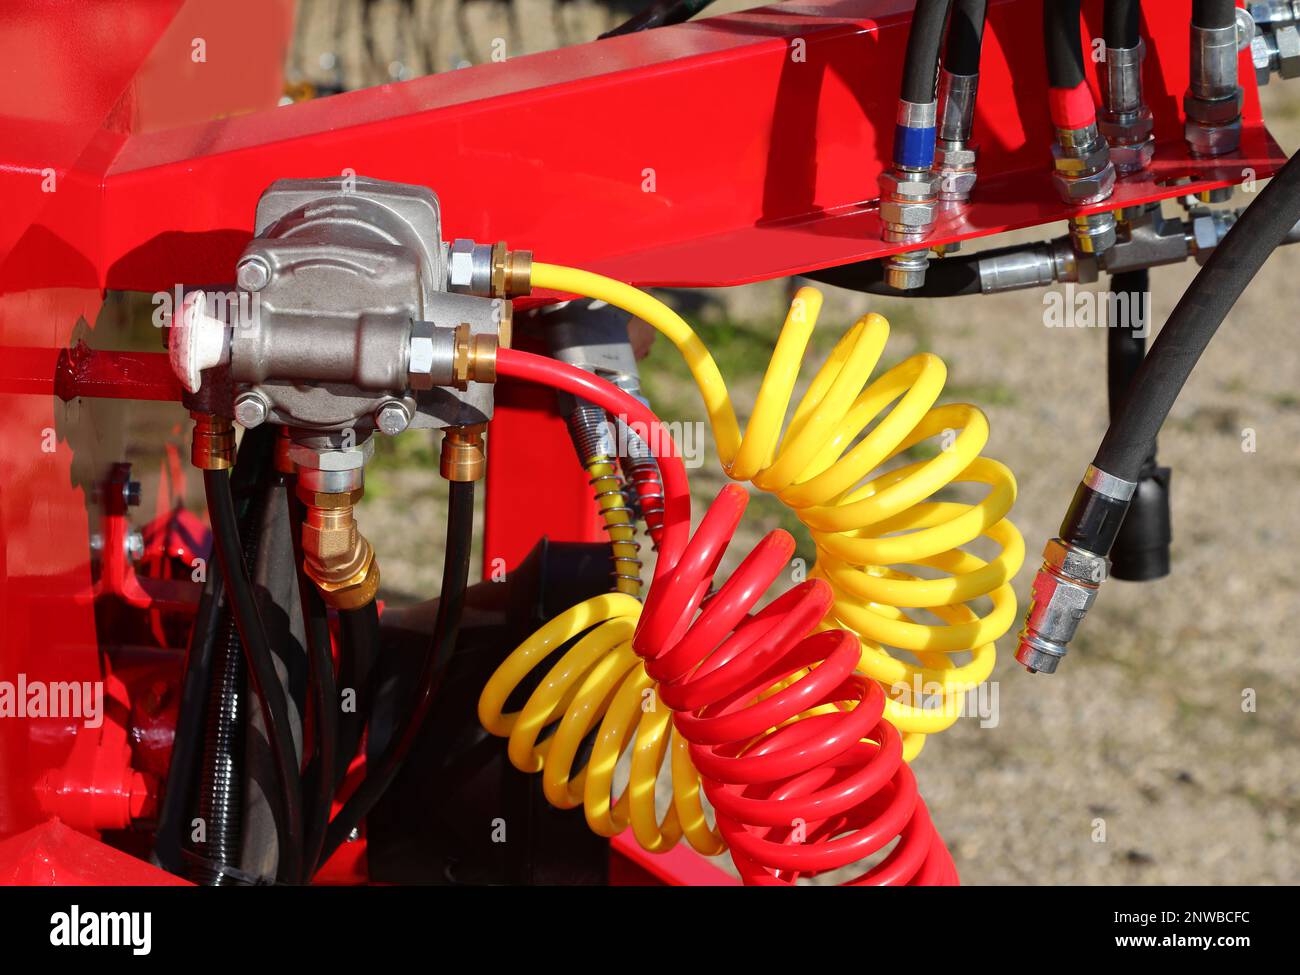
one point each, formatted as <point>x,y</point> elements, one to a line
<point>336,556</point>
<point>1125,120</point>
<point>212,445</point>
<point>955,156</point>
<point>463,456</point>
<point>1213,99</point>
<point>1063,592</point>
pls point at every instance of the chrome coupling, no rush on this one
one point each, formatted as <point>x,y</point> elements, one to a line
<point>955,157</point>
<point>1063,592</point>
<point>1213,99</point>
<point>1126,121</point>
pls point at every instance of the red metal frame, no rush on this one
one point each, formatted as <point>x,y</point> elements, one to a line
<point>714,153</point>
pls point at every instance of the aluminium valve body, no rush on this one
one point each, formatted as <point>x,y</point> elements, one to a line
<point>356,322</point>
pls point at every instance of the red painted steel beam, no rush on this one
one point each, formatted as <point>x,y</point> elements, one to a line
<point>717,152</point>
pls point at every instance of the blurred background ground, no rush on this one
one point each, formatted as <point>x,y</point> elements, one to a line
<point>1144,727</point>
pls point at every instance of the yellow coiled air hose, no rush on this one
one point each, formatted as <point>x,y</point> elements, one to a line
<point>883,547</point>
<point>616,514</point>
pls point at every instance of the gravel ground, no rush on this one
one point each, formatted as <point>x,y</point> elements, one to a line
<point>1138,763</point>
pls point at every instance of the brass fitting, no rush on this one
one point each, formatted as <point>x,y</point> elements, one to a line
<point>212,446</point>
<point>463,457</point>
<point>336,556</point>
<point>474,358</point>
<point>512,272</point>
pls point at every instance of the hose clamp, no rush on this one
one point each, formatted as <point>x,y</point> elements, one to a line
<point>1108,484</point>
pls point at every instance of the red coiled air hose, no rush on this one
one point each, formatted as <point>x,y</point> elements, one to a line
<point>803,772</point>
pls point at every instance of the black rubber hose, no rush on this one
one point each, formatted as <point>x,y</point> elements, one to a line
<point>261,669</point>
<point>1213,13</point>
<point>661,14</point>
<point>322,771</point>
<point>220,804</point>
<point>358,652</point>
<point>1126,345</point>
<point>1142,548</point>
<point>188,739</point>
<point>1121,26</point>
<point>961,53</point>
<point>921,67</point>
<point>446,629</point>
<point>1200,311</point>
<point>1063,43</point>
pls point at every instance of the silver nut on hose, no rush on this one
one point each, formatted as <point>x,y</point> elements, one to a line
<point>907,203</point>
<point>1212,140</point>
<point>431,356</point>
<point>906,271</point>
<point>1131,139</point>
<point>469,267</point>
<point>1086,189</point>
<point>1287,40</point>
<point>956,170</point>
<point>1063,592</point>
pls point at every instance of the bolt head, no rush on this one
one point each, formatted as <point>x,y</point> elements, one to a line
<point>392,418</point>
<point>253,274</point>
<point>250,410</point>
<point>460,264</point>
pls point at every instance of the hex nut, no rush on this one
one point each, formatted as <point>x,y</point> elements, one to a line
<point>953,158</point>
<point>956,184</point>
<point>1085,189</point>
<point>360,590</point>
<point>1261,56</point>
<point>1092,158</point>
<point>1288,51</point>
<point>323,499</point>
<point>1213,111</point>
<point>460,264</point>
<point>331,459</point>
<point>1132,157</point>
<point>419,365</point>
<point>1212,140</point>
<point>908,186</point>
<point>392,418</point>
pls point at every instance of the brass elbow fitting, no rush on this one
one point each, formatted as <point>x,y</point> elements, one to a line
<point>336,556</point>
<point>463,457</point>
<point>212,445</point>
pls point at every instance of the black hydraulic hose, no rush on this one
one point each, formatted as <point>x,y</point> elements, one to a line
<point>1141,551</point>
<point>220,805</point>
<point>1200,311</point>
<point>1063,43</point>
<point>1213,13</point>
<point>359,651</point>
<point>322,772</point>
<point>1096,513</point>
<point>921,67</point>
<point>188,739</point>
<point>961,53</point>
<point>1121,28</point>
<point>446,629</point>
<point>261,670</point>
<point>662,13</point>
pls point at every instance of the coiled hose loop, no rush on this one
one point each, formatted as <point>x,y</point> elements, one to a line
<point>791,745</point>
<point>883,546</point>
